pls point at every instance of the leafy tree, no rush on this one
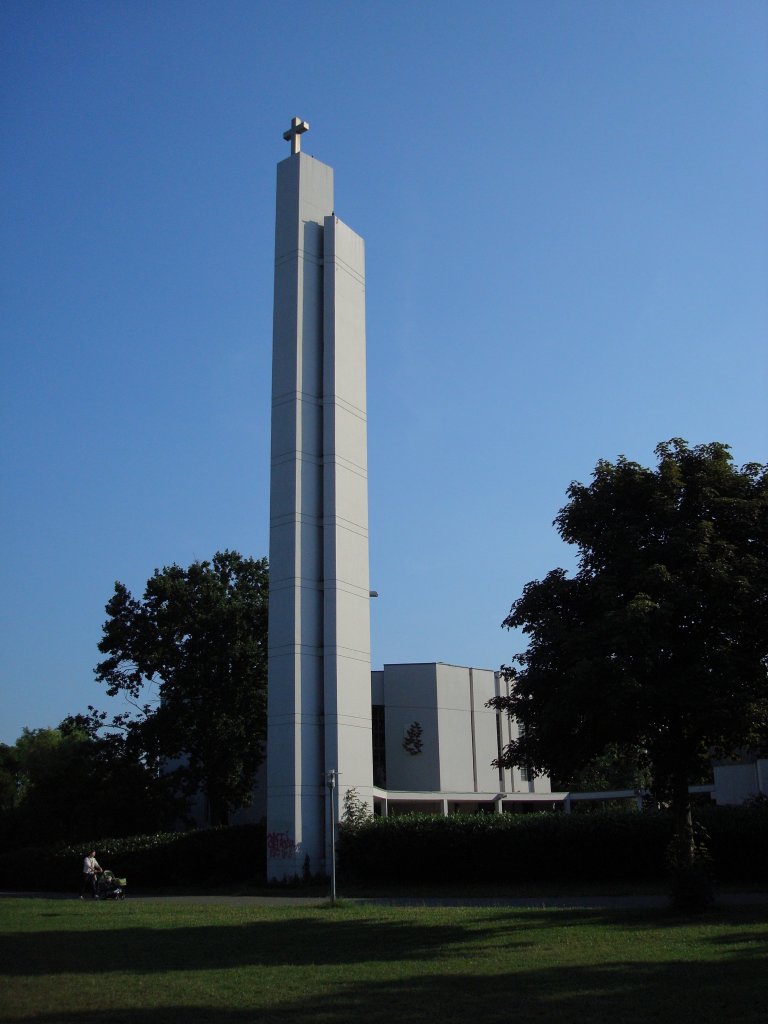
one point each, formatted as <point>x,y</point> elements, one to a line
<point>64,784</point>
<point>52,784</point>
<point>10,777</point>
<point>658,642</point>
<point>200,635</point>
<point>124,794</point>
<point>355,811</point>
<point>615,768</point>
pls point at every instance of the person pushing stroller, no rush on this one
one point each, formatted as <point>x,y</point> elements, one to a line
<point>91,872</point>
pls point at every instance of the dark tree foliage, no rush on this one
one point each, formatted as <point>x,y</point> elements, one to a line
<point>615,768</point>
<point>10,777</point>
<point>199,635</point>
<point>67,784</point>
<point>658,644</point>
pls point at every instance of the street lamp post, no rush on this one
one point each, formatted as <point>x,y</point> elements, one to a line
<point>331,777</point>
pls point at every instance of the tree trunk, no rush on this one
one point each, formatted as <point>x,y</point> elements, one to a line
<point>218,809</point>
<point>685,849</point>
<point>692,885</point>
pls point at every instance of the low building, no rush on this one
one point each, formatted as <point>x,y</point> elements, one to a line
<point>434,743</point>
<point>741,779</point>
<point>435,740</point>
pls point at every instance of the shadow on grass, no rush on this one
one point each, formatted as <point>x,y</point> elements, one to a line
<point>729,984</point>
<point>704,992</point>
<point>318,940</point>
<point>329,938</point>
<point>650,919</point>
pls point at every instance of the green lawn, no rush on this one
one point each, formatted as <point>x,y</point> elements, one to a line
<point>67,962</point>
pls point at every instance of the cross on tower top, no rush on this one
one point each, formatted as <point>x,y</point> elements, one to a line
<point>294,133</point>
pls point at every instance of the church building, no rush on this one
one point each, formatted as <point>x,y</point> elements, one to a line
<point>408,736</point>
<point>435,741</point>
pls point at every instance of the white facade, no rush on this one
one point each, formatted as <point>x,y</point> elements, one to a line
<point>435,742</point>
<point>740,781</point>
<point>449,768</point>
<point>319,711</point>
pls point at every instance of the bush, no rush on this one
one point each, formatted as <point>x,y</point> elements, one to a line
<point>737,841</point>
<point>606,846</point>
<point>227,854</point>
<point>422,848</point>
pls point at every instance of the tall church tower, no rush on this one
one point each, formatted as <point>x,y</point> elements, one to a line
<point>319,711</point>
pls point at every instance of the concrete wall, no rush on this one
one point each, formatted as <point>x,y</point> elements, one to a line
<point>319,698</point>
<point>461,737</point>
<point>735,783</point>
<point>514,780</point>
<point>409,693</point>
<point>295,739</point>
<point>347,633</point>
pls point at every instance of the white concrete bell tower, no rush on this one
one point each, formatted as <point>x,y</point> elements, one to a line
<point>319,714</point>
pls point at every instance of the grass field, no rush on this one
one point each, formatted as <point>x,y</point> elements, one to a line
<point>67,962</point>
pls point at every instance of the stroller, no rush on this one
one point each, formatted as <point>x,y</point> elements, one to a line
<point>109,887</point>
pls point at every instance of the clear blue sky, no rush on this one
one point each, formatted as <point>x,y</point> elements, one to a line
<point>565,208</point>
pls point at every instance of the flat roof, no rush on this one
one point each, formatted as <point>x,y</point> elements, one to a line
<point>420,664</point>
<point>435,795</point>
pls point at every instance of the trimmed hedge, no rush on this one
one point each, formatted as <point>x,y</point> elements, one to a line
<point>607,846</point>
<point>737,841</point>
<point>419,848</point>
<point>215,855</point>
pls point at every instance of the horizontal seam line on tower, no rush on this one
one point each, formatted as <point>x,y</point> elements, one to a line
<point>347,723</point>
<point>297,395</point>
<point>329,582</point>
<point>356,590</point>
<point>291,717</point>
<point>346,466</point>
<point>320,401</point>
<point>322,459</point>
<point>299,253</point>
<point>337,407</point>
<point>297,455</point>
<point>336,399</point>
<point>290,650</point>
<point>347,654</point>
<point>349,527</point>
<point>303,518</point>
<point>307,584</point>
<point>297,581</point>
<point>336,260</point>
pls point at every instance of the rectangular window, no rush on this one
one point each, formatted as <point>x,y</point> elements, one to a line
<point>525,775</point>
<point>379,746</point>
